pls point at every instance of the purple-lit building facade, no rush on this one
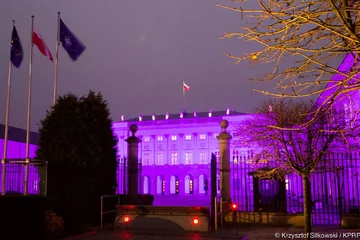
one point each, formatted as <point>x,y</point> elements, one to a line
<point>15,173</point>
<point>175,154</point>
<point>175,151</point>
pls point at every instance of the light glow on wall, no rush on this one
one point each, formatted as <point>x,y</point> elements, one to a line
<point>167,116</point>
<point>140,118</point>
<point>181,115</point>
<point>153,117</point>
<point>210,113</point>
<point>122,118</point>
<point>194,113</point>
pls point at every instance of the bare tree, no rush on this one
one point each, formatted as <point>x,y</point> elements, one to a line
<point>290,145</point>
<point>313,32</point>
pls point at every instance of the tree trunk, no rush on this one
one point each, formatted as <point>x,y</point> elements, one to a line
<point>307,205</point>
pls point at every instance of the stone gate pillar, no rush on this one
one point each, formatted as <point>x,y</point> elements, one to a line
<point>133,164</point>
<point>224,150</point>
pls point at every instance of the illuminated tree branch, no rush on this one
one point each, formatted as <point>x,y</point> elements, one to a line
<point>313,32</point>
<point>290,139</point>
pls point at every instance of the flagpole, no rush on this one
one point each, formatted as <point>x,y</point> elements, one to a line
<point>56,57</point>
<point>29,111</point>
<point>183,98</point>
<point>3,179</point>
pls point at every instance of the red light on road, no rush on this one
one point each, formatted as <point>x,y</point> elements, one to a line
<point>195,221</point>
<point>234,206</point>
<point>126,219</point>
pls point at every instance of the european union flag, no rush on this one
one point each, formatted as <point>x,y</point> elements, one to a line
<point>70,43</point>
<point>16,53</point>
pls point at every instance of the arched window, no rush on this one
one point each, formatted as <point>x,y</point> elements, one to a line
<point>146,185</point>
<point>202,183</point>
<point>173,180</point>
<point>189,185</point>
<point>160,185</point>
<point>177,186</point>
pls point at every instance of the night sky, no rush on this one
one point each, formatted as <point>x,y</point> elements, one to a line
<point>138,53</point>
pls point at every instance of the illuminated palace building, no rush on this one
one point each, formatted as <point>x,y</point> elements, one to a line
<point>175,155</point>
<point>175,152</point>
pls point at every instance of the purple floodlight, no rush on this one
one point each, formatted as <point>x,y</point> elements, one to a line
<point>181,115</point>
<point>140,118</point>
<point>167,115</point>
<point>227,111</point>
<point>210,113</point>
<point>122,117</point>
<point>194,113</point>
<point>153,117</point>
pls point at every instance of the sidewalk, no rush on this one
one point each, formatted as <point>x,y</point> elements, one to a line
<point>251,232</point>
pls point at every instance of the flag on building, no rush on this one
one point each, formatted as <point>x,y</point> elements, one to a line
<point>16,52</point>
<point>40,43</point>
<point>186,87</point>
<point>72,45</point>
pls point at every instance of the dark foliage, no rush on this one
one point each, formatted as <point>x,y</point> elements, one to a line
<point>77,140</point>
<point>22,217</point>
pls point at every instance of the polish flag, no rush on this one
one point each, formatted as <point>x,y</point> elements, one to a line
<point>186,87</point>
<point>40,43</point>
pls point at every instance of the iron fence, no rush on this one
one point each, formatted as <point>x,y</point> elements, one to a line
<point>332,192</point>
<point>122,176</point>
<point>15,176</point>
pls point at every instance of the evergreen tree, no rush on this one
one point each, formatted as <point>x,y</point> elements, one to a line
<point>77,140</point>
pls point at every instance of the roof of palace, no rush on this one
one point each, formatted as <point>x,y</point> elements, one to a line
<point>346,64</point>
<point>186,115</point>
<point>18,134</point>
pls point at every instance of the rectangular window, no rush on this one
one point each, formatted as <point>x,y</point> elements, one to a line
<point>173,138</point>
<point>217,155</point>
<point>146,159</point>
<point>160,159</point>
<point>188,137</point>
<point>287,187</point>
<point>202,136</point>
<point>174,159</point>
<point>188,158</point>
<point>348,113</point>
<point>203,159</point>
<point>146,139</point>
<point>159,138</point>
<point>36,185</point>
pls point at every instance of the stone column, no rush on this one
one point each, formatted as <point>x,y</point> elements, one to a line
<point>153,138</point>
<point>133,161</point>
<point>140,149</point>
<point>210,137</point>
<point>196,157</point>
<point>224,149</point>
<point>181,154</point>
<point>140,160</point>
<point>122,139</point>
<point>166,152</point>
